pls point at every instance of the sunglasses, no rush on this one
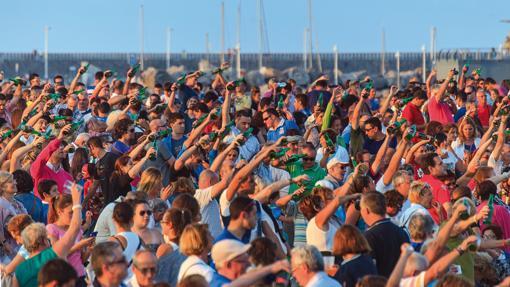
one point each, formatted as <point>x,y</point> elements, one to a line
<point>266,118</point>
<point>308,159</point>
<point>132,130</point>
<point>143,212</point>
<point>147,270</point>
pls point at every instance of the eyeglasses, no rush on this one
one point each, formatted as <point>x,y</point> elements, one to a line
<point>143,212</point>
<point>147,270</point>
<point>368,129</point>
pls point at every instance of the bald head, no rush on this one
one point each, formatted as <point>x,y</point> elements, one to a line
<point>415,264</point>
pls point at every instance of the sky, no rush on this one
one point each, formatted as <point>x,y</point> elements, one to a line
<point>354,26</point>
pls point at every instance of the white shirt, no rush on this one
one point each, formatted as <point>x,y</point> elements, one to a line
<point>321,279</point>
<point>194,265</point>
<point>210,210</point>
<point>381,187</point>
<point>415,281</point>
<point>458,147</point>
<point>132,282</point>
<point>341,154</point>
<point>322,239</point>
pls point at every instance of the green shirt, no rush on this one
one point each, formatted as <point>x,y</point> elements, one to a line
<point>26,272</point>
<point>466,261</point>
<point>315,173</point>
<point>356,141</point>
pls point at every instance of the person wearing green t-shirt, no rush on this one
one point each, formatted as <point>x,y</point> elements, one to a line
<point>36,242</point>
<point>307,166</point>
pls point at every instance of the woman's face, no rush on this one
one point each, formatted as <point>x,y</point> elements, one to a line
<point>337,126</point>
<point>452,135</point>
<point>10,187</point>
<point>142,215</point>
<point>65,215</point>
<point>127,167</point>
<point>232,155</point>
<point>489,235</point>
<point>468,131</point>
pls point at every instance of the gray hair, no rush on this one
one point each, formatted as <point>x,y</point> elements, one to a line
<point>34,236</point>
<point>138,254</point>
<point>420,226</point>
<point>103,253</point>
<point>309,255</point>
<point>400,177</point>
<point>415,264</point>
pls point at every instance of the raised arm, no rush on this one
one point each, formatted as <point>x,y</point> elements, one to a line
<point>135,170</point>
<point>440,266</point>
<point>218,161</point>
<point>356,113</point>
<point>196,132</point>
<point>14,163</point>
<point>225,108</point>
<point>247,169</point>
<point>386,103</point>
<point>428,83</point>
<point>414,148</point>
<point>63,246</point>
<point>442,89</point>
<point>76,78</point>
<point>179,162</point>
<point>496,152</point>
<point>322,218</point>
<point>395,161</point>
<point>437,246</point>
<point>264,194</point>
<point>380,154</point>
<point>252,277</point>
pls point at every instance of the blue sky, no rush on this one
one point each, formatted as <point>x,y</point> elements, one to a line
<point>355,26</point>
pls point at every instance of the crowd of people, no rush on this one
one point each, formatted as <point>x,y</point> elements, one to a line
<point>190,183</point>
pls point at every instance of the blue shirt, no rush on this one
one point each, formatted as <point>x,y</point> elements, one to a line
<point>225,234</point>
<point>120,148</point>
<point>274,134</point>
<point>459,114</point>
<point>219,280</point>
<point>33,205</point>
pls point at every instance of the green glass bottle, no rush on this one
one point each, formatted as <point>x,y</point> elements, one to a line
<point>490,204</point>
<point>393,128</point>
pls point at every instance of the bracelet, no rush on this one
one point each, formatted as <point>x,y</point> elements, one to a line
<point>77,206</point>
<point>460,251</point>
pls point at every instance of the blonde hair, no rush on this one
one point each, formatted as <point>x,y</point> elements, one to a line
<point>149,179</point>
<point>34,236</point>
<point>466,121</point>
<point>416,191</point>
<point>5,177</point>
<point>195,239</point>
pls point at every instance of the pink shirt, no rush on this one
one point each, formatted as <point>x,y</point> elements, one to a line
<point>439,112</point>
<point>74,258</point>
<point>500,217</point>
<point>440,192</point>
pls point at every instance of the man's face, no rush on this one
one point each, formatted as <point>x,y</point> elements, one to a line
<point>243,123</point>
<point>505,153</point>
<point>309,160</point>
<point>439,168</point>
<point>178,126</point>
<point>35,81</point>
<point>338,171</point>
<point>59,83</point>
<point>239,265</point>
<point>83,102</point>
<point>299,271</point>
<point>481,97</point>
<point>337,126</point>
<point>116,270</point>
<point>371,131</point>
<point>269,119</point>
<point>2,106</point>
<point>250,218</point>
<point>145,269</point>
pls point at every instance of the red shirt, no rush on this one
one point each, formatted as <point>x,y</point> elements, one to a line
<point>439,111</point>
<point>440,192</point>
<point>484,114</point>
<point>413,115</point>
